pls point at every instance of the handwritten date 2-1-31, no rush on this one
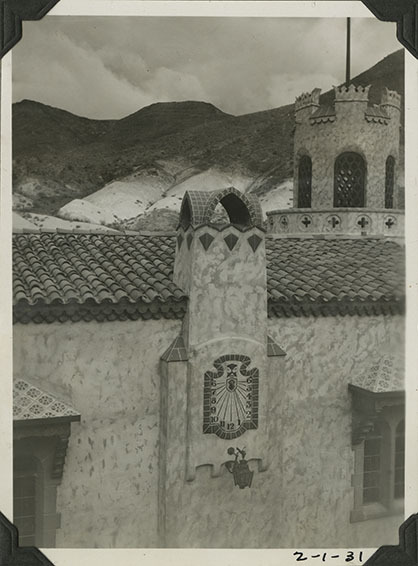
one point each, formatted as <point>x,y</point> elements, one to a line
<point>348,556</point>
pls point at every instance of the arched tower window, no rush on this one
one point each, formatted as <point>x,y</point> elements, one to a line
<point>349,180</point>
<point>389,181</point>
<point>305,182</point>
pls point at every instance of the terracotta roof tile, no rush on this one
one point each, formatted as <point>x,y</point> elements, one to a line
<point>363,276</point>
<point>100,276</point>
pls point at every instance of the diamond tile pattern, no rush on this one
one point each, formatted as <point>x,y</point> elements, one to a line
<point>254,241</point>
<point>385,375</point>
<point>30,402</point>
<point>130,276</point>
<point>206,240</point>
<point>231,240</point>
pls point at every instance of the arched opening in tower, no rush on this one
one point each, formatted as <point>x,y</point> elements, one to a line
<point>349,180</point>
<point>305,182</point>
<point>389,181</point>
<point>231,209</point>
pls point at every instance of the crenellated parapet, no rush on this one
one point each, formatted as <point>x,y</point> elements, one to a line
<point>308,100</point>
<point>351,93</point>
<point>391,98</point>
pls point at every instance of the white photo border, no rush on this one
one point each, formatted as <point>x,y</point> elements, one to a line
<point>204,8</point>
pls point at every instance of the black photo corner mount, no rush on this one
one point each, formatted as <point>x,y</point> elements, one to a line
<point>11,554</point>
<point>13,12</point>
<point>405,14</point>
<point>405,553</point>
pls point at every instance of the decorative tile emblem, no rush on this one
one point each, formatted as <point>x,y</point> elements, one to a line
<point>230,398</point>
<point>179,240</point>
<point>284,223</point>
<point>254,241</point>
<point>206,240</point>
<point>390,221</point>
<point>334,222</point>
<point>231,240</point>
<point>189,240</point>
<point>364,222</point>
<point>305,222</point>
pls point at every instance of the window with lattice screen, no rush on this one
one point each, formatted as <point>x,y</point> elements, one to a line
<point>26,500</point>
<point>399,487</point>
<point>349,180</point>
<point>305,182</point>
<point>389,181</point>
<point>372,475</point>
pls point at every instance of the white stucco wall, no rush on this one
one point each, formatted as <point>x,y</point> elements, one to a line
<point>109,372</point>
<point>109,492</point>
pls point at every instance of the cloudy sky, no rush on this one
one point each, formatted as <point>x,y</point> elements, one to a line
<point>109,67</point>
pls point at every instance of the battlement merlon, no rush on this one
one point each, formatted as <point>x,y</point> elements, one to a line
<point>351,93</point>
<point>308,100</point>
<point>391,98</point>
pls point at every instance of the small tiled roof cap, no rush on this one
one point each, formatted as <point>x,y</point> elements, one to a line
<point>376,113</point>
<point>323,114</point>
<point>30,402</point>
<point>383,376</point>
<point>107,277</point>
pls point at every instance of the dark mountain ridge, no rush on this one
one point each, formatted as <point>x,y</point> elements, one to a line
<point>71,157</point>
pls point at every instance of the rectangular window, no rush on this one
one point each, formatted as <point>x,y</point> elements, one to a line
<point>24,505</point>
<point>372,468</point>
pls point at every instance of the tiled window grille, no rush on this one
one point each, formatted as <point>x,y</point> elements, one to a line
<point>400,461</point>
<point>372,466</point>
<point>305,182</point>
<point>25,501</point>
<point>349,180</point>
<point>389,181</point>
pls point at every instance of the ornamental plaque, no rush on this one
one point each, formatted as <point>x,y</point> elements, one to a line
<point>230,399</point>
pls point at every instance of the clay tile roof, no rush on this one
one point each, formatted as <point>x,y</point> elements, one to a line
<point>320,277</point>
<point>106,276</point>
<point>64,270</point>
<point>30,402</point>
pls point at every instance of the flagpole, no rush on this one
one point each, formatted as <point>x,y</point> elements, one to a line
<point>348,53</point>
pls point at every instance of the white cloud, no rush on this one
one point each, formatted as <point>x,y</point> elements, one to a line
<point>111,67</point>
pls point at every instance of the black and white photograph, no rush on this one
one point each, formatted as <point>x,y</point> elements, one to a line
<point>209,283</point>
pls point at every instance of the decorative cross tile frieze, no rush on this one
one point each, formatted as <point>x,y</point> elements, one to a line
<point>363,222</point>
<point>334,221</point>
<point>390,221</point>
<point>306,221</point>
